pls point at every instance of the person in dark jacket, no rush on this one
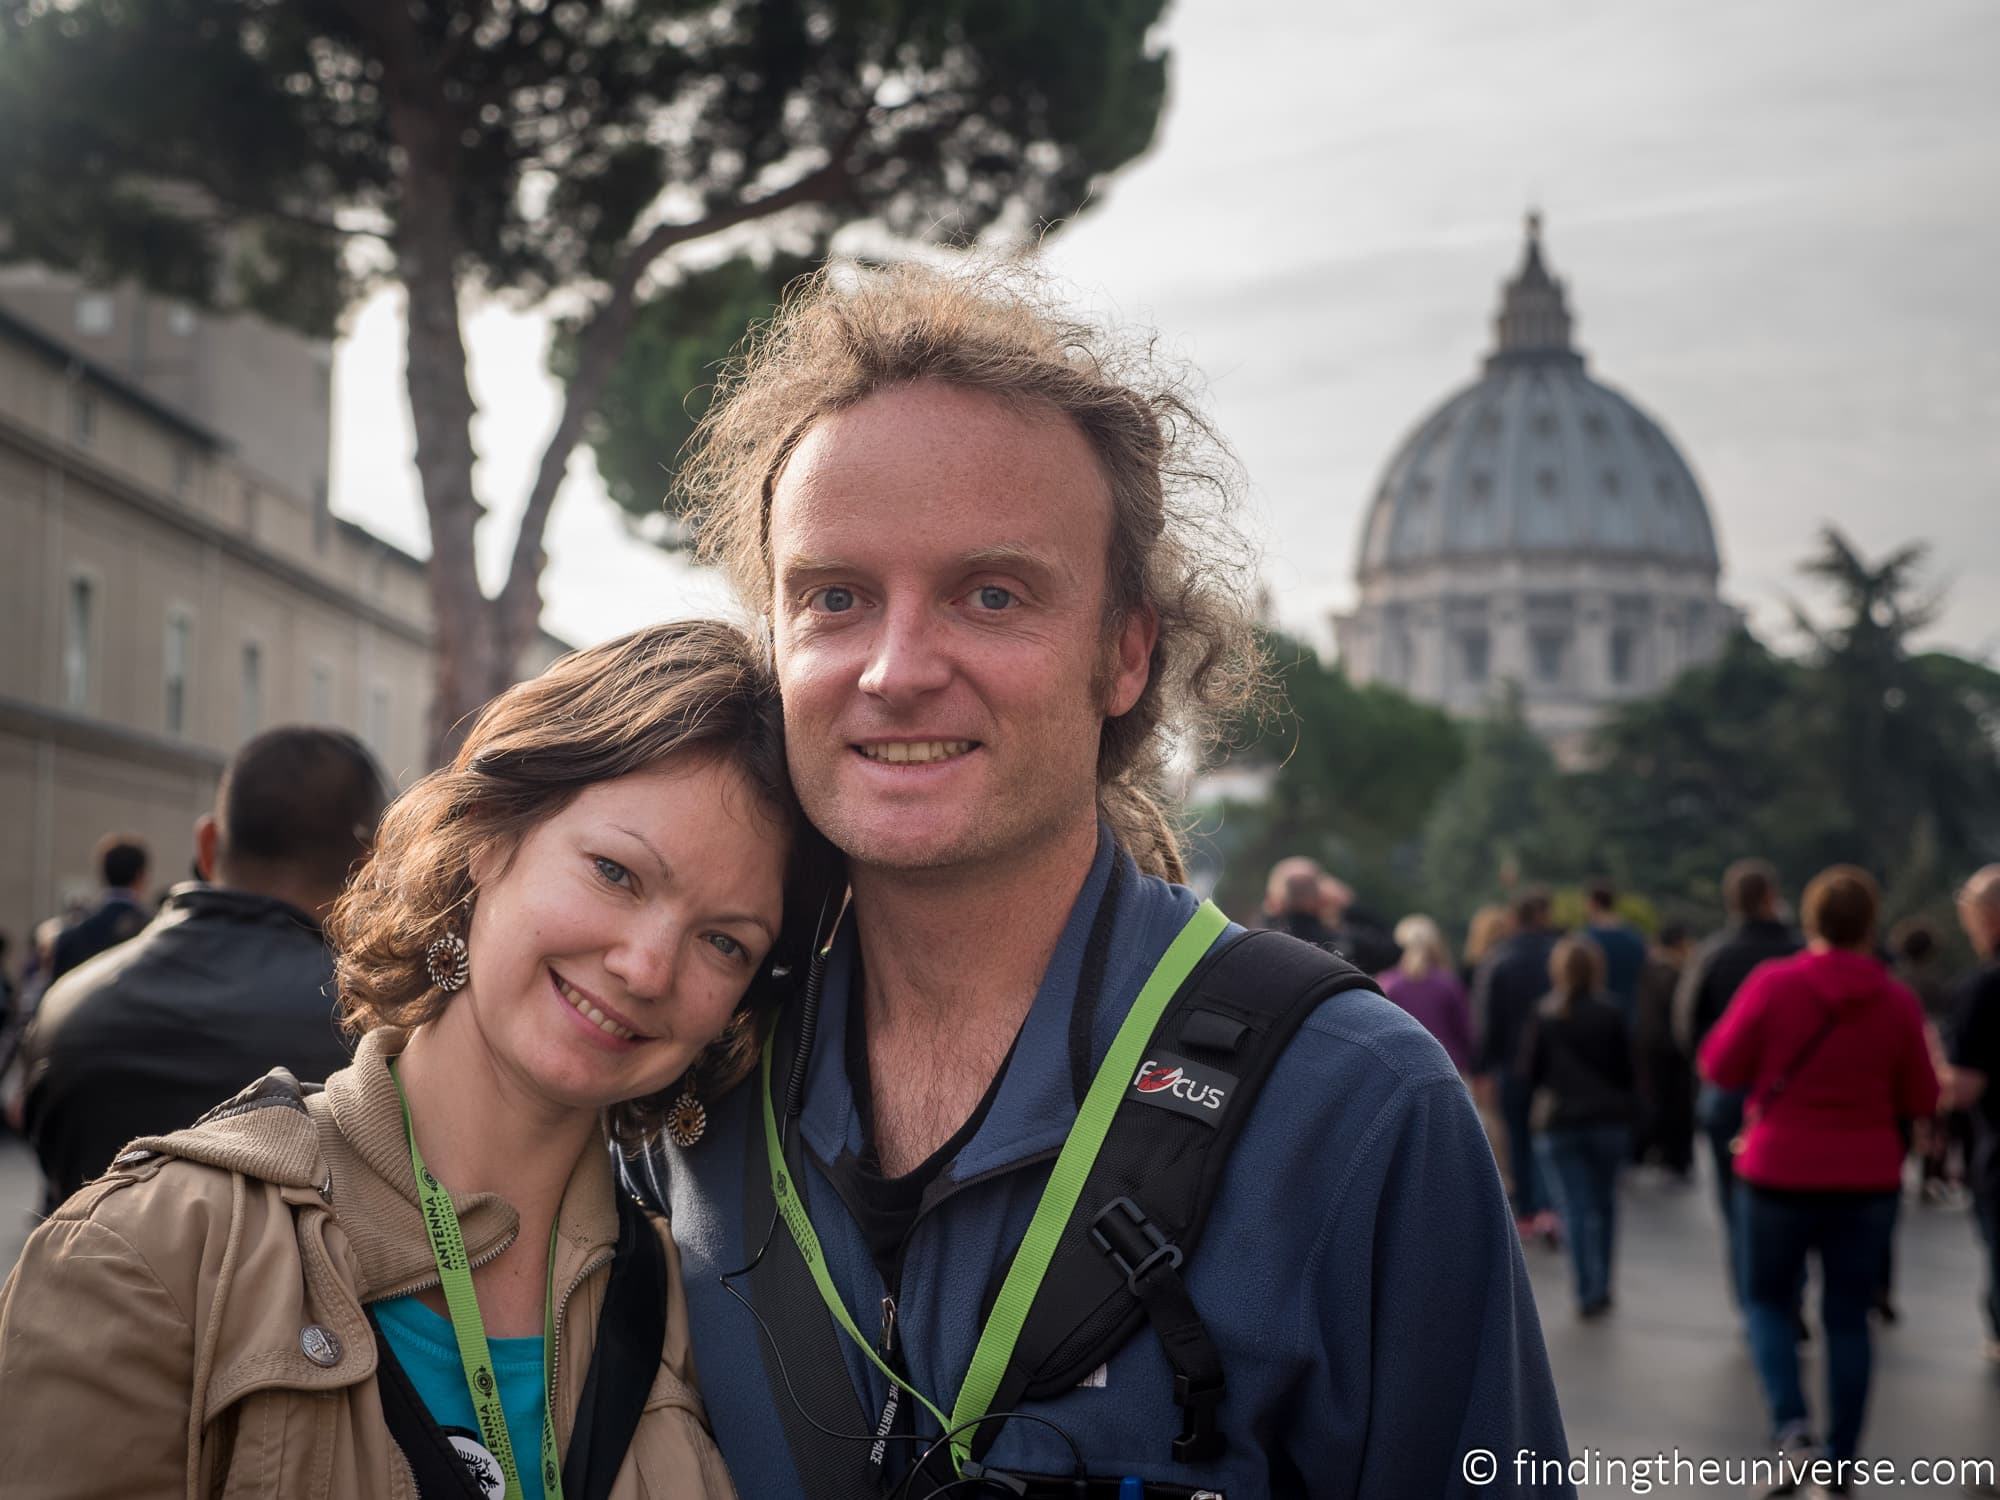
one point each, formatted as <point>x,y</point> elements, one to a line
<point>1708,984</point>
<point>1830,1051</point>
<point>1293,904</point>
<point>231,980</point>
<point>1623,948</point>
<point>1664,1073</point>
<point>120,911</point>
<point>1576,1059</point>
<point>1975,1074</point>
<point>1301,899</point>
<point>1505,992</point>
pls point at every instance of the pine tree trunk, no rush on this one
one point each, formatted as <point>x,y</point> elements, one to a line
<point>441,410</point>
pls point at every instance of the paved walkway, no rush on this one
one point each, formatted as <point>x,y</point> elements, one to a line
<point>1668,1368</point>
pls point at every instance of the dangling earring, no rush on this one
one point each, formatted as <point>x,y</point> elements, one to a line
<point>445,962</point>
<point>686,1119</point>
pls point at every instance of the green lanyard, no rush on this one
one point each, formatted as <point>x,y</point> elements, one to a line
<point>455,1276</point>
<point>1058,1202</point>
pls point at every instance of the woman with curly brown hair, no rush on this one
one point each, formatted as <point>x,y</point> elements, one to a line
<point>421,1279</point>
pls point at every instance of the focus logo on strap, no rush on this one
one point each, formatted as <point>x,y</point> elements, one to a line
<point>1187,1088</point>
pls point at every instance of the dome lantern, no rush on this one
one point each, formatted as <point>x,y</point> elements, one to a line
<point>1533,324</point>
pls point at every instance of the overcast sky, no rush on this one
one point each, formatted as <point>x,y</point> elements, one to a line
<point>1779,226</point>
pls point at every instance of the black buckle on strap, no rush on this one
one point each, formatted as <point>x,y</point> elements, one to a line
<point>1133,1241</point>
<point>1199,1441</point>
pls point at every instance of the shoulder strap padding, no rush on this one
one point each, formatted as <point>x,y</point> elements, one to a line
<point>1234,1016</point>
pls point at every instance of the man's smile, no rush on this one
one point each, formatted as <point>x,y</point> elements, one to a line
<point>915,752</point>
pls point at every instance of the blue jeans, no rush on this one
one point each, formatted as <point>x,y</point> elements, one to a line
<point>1530,1194</point>
<point>1986,1204</point>
<point>1850,1232</point>
<point>1582,1166</point>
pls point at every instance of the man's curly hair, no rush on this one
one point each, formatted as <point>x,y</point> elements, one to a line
<point>847,332</point>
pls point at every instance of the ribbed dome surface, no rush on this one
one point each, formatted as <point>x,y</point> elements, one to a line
<point>1536,457</point>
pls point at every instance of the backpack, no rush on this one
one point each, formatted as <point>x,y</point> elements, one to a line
<point>1118,1259</point>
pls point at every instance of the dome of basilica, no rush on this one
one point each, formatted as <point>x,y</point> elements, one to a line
<point>1536,529</point>
<point>1535,456</point>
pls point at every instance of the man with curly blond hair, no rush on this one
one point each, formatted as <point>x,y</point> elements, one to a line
<point>995,556</point>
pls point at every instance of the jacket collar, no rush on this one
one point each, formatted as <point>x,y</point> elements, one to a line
<point>1068,1029</point>
<point>195,898</point>
<point>374,1192</point>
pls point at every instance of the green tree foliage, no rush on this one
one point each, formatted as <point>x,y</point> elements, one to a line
<point>1354,771</point>
<point>659,389</point>
<point>281,157</point>
<point>1859,751</point>
<point>1503,818</point>
<point>1685,782</point>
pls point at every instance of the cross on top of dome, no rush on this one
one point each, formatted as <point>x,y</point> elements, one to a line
<point>1534,322</point>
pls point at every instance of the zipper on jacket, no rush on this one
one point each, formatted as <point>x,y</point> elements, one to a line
<point>472,1263</point>
<point>601,1259</point>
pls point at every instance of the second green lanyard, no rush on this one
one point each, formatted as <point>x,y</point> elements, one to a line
<point>455,1277</point>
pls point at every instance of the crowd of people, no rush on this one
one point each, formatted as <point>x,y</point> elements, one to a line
<point>1822,1064</point>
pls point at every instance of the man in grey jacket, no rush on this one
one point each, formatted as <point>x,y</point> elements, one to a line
<point>231,979</point>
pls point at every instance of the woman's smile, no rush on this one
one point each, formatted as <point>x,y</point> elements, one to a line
<point>609,1024</point>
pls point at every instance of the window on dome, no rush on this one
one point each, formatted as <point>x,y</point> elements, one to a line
<point>1482,484</point>
<point>1548,482</point>
<point>1595,425</point>
<point>1611,485</point>
<point>1550,649</point>
<point>1663,486</point>
<point>1489,423</point>
<point>1545,424</point>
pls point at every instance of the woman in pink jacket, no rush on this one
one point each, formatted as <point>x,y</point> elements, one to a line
<point>1830,1049</point>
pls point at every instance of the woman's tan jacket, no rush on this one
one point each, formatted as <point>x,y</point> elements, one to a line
<point>191,1323</point>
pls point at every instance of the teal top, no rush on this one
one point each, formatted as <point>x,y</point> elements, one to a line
<point>427,1351</point>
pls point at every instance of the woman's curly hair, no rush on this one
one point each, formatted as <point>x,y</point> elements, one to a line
<point>682,690</point>
<point>847,332</point>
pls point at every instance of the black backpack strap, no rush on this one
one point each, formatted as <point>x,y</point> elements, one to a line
<point>435,1465</point>
<point>809,1382</point>
<point>1146,1200</point>
<point>631,1332</point>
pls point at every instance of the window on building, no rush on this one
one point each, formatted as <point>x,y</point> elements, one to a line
<point>1623,648</point>
<point>79,640</point>
<point>375,727</point>
<point>1551,651</point>
<point>319,694</point>
<point>183,473</point>
<point>96,314</point>
<point>82,416</point>
<point>180,320</point>
<point>251,704</point>
<point>179,641</point>
<point>1475,651</point>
